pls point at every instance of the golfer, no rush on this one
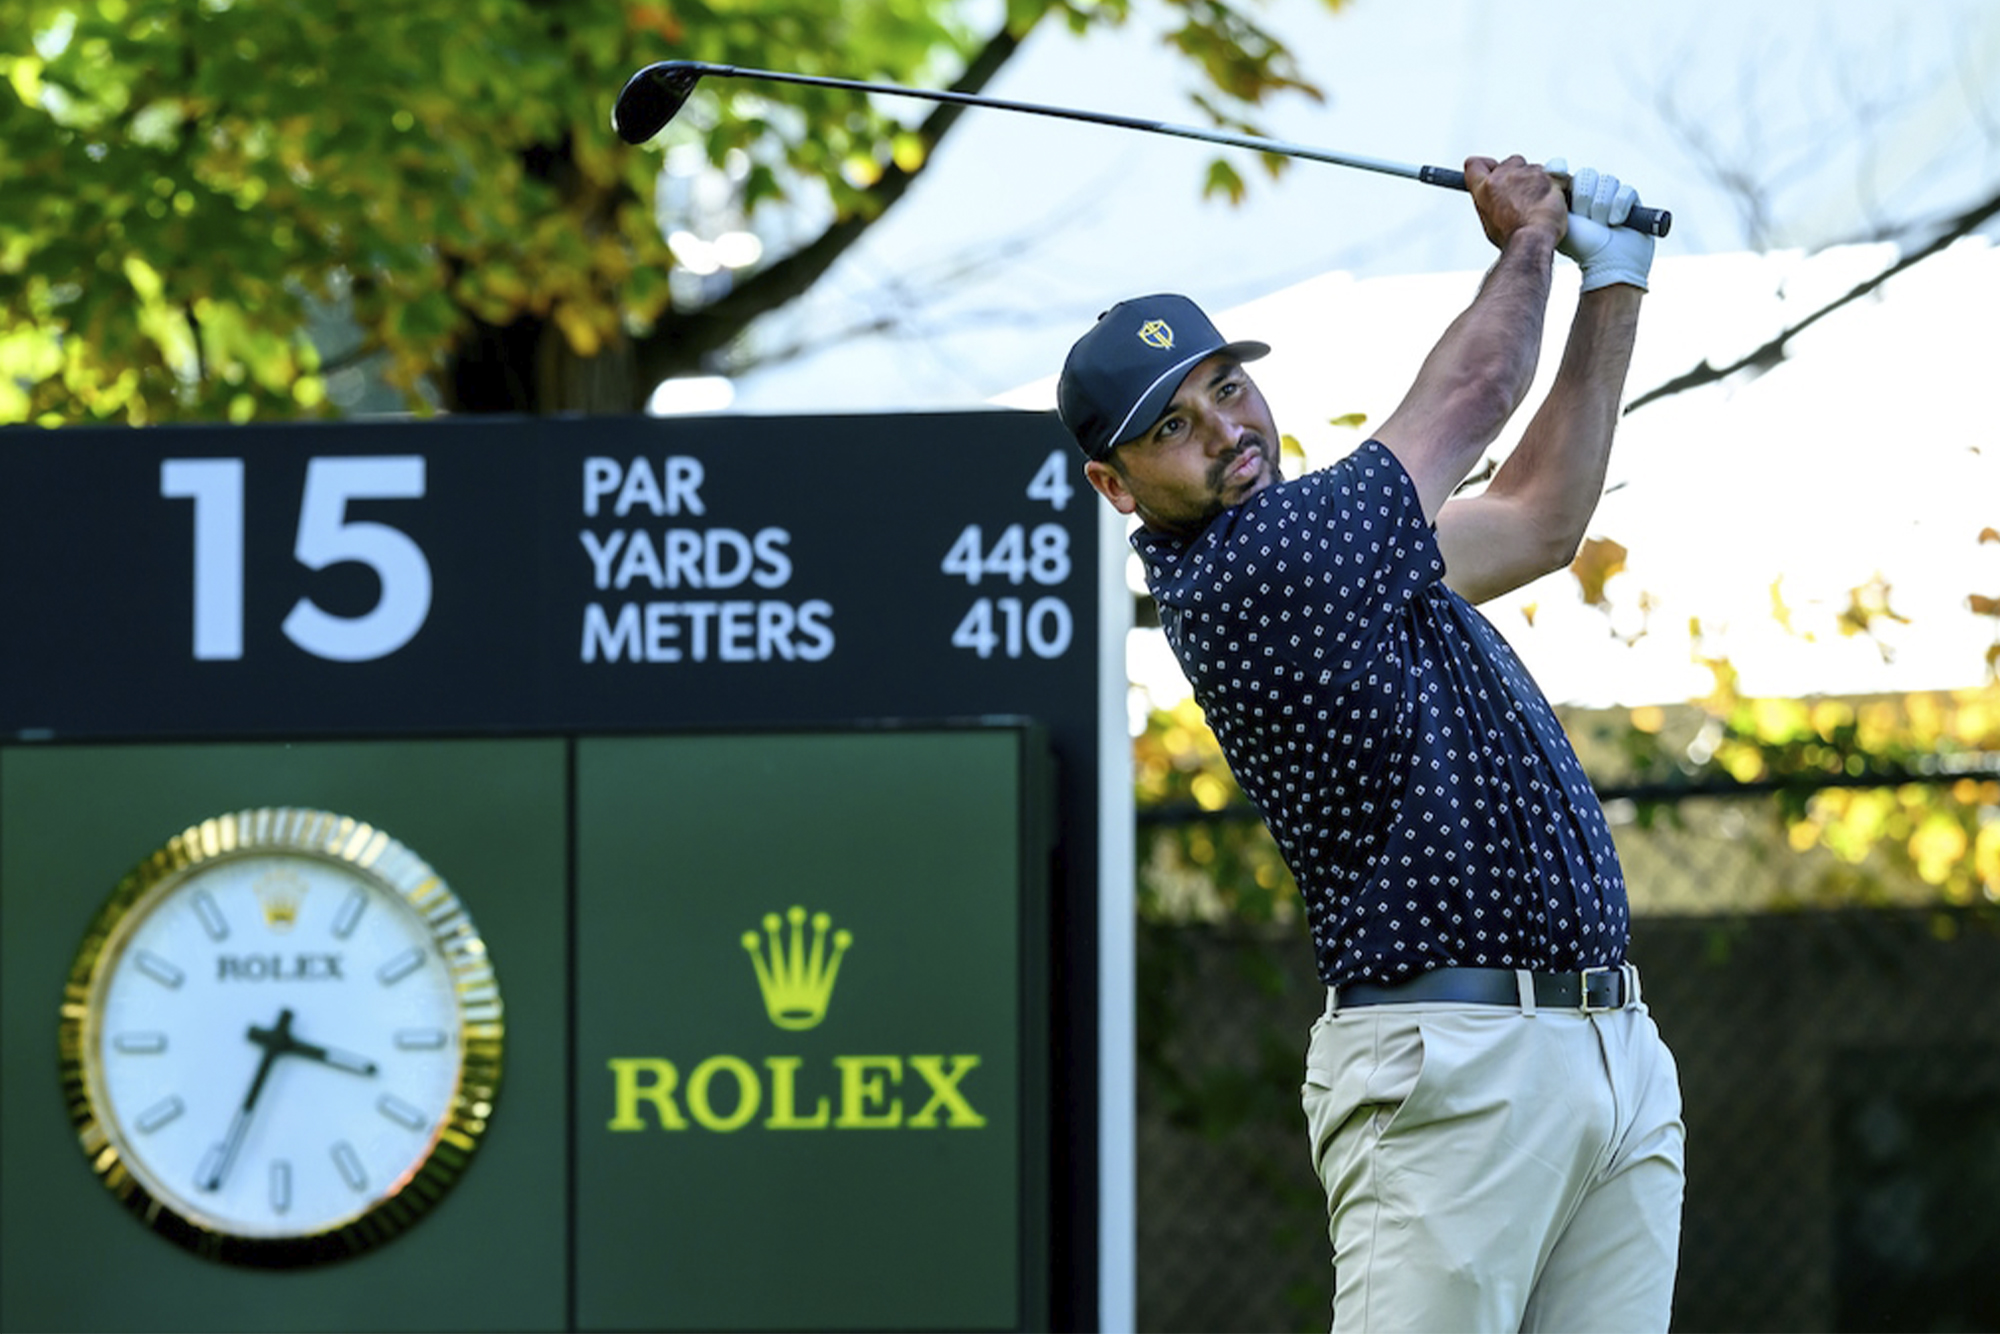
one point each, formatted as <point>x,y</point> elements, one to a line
<point>1490,1108</point>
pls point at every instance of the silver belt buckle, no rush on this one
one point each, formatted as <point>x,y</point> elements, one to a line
<point>1583,980</point>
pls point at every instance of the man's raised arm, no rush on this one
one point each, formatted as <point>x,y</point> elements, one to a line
<point>1481,368</point>
<point>1533,514</point>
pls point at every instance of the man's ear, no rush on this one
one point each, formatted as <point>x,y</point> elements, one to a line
<point>1110,484</point>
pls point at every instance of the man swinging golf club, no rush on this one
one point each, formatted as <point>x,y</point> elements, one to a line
<point>1491,1110</point>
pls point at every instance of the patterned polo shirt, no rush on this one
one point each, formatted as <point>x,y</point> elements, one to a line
<point>1420,788</point>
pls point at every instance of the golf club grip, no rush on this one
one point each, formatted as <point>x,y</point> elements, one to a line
<point>1652,221</point>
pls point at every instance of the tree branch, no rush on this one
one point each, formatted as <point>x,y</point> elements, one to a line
<point>1774,351</point>
<point>684,340</point>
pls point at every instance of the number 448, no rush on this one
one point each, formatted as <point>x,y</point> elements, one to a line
<point>1017,554</point>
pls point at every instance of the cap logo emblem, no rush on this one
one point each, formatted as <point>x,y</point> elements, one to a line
<point>1157,333</point>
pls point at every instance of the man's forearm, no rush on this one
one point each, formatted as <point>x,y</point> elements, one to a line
<point>1558,469</point>
<point>1477,374</point>
<point>1496,343</point>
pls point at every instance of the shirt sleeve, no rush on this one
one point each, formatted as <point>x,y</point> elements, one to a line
<point>1311,572</point>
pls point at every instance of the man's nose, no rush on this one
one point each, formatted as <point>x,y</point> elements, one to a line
<point>1224,434</point>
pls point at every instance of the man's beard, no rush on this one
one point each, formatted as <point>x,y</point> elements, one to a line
<point>1251,441</point>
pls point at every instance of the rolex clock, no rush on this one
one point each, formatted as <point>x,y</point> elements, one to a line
<point>281,1038</point>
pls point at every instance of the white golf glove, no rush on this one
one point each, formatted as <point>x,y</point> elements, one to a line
<point>1606,252</point>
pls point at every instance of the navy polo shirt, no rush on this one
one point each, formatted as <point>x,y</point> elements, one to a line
<point>1413,774</point>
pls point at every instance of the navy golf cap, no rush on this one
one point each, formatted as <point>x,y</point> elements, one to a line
<point>1121,375</point>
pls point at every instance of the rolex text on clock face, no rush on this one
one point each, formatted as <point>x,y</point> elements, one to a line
<point>274,1040</point>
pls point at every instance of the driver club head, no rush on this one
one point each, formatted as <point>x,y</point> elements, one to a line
<point>652,97</point>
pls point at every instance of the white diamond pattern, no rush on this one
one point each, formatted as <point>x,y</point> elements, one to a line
<point>1412,773</point>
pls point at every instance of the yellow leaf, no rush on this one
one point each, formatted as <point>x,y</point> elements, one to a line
<point>1209,791</point>
<point>1986,858</point>
<point>145,279</point>
<point>908,151</point>
<point>1724,696</point>
<point>1938,847</point>
<point>1979,720</point>
<point>1866,602</point>
<point>26,76</point>
<point>1744,764</point>
<point>1599,559</point>
<point>1349,419</point>
<point>1989,535</point>
<point>657,19</point>
<point>1780,613</point>
<point>1927,717</point>
<point>1861,825</point>
<point>1830,715</point>
<point>504,281</point>
<point>577,328</point>
<point>1779,719</point>
<point>1876,725</point>
<point>1528,611</point>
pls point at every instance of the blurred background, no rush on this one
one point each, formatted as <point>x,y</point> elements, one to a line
<point>1779,652</point>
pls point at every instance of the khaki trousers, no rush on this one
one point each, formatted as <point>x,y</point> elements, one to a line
<point>1492,1168</point>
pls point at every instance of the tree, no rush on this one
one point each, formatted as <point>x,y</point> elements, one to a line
<point>193,190</point>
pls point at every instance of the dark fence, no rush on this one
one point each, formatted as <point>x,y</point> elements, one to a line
<point>1840,1067</point>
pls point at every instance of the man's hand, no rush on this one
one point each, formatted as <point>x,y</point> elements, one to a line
<point>1514,196</point>
<point>1606,252</point>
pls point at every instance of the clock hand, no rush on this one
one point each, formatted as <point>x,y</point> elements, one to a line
<point>275,1041</point>
<point>333,1056</point>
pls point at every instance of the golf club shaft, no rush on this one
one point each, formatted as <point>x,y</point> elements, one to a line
<point>1654,221</point>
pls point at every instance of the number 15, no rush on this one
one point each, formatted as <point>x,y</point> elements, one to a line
<point>325,537</point>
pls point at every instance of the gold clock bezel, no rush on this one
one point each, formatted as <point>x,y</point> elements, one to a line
<point>360,849</point>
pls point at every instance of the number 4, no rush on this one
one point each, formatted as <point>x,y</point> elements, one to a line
<point>963,558</point>
<point>1051,481</point>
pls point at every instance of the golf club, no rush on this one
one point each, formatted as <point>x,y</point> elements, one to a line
<point>654,95</point>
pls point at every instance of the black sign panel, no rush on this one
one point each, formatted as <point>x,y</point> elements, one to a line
<point>543,574</point>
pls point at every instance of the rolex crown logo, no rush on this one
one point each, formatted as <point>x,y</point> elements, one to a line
<point>1157,333</point>
<point>278,893</point>
<point>796,978</point>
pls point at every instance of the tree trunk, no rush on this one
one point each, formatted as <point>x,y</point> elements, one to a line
<point>528,367</point>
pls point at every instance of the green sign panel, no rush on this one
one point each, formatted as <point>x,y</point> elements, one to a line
<point>801,1032</point>
<point>490,816</point>
<point>770,1023</point>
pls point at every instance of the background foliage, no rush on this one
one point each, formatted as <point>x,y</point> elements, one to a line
<point>211,209</point>
<point>1872,840</point>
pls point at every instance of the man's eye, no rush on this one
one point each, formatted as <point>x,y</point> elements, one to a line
<point>1169,428</point>
<point>1228,388</point>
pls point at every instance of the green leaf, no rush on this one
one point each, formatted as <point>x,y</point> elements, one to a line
<point>1223,180</point>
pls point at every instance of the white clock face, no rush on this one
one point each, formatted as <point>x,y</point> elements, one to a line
<point>275,1039</point>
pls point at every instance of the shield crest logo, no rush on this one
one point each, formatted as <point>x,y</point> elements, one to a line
<point>1157,333</point>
